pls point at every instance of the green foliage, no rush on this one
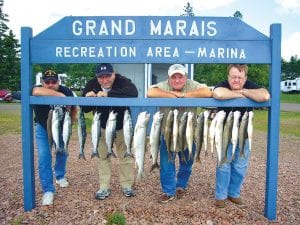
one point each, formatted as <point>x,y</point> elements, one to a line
<point>290,70</point>
<point>9,55</point>
<point>188,10</point>
<point>115,218</point>
<point>238,14</point>
<point>212,74</point>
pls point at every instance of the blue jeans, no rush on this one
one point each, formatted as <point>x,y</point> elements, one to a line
<point>45,160</point>
<point>230,175</point>
<point>168,179</point>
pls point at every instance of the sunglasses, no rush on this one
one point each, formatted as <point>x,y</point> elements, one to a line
<point>50,82</point>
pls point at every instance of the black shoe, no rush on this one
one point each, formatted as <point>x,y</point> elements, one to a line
<point>128,192</point>
<point>102,194</point>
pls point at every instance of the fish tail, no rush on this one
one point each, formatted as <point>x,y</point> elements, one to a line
<point>81,156</point>
<point>141,176</point>
<point>154,166</point>
<point>94,154</point>
<point>128,154</point>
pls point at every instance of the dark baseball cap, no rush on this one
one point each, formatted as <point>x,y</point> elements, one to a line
<point>50,75</point>
<point>104,69</point>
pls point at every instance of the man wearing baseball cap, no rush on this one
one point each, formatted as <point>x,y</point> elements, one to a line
<point>176,86</point>
<point>107,83</point>
<point>50,87</point>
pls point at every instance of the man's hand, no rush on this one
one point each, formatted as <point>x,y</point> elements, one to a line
<point>90,94</point>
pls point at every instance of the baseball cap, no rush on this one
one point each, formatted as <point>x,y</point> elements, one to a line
<point>176,68</point>
<point>104,69</point>
<point>50,75</point>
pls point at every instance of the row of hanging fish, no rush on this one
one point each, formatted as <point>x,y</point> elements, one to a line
<point>179,134</point>
<point>229,128</point>
<point>59,121</point>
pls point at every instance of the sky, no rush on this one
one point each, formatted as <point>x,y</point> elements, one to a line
<point>259,14</point>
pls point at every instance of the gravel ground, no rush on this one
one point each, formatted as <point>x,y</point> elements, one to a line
<point>76,204</point>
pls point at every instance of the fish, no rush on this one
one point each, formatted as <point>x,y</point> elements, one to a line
<point>139,142</point>
<point>189,135</point>
<point>67,130</point>
<point>56,127</point>
<point>155,133</point>
<point>219,136</point>
<point>49,128</point>
<point>168,130</point>
<point>96,133</point>
<point>175,129</point>
<point>227,132</point>
<point>243,133</point>
<point>205,130</point>
<point>181,133</point>
<point>128,133</point>
<point>81,130</point>
<point>250,128</point>
<point>235,131</point>
<point>110,133</point>
<point>198,135</point>
<point>212,131</point>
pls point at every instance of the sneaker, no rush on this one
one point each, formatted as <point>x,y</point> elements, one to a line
<point>180,193</point>
<point>128,192</point>
<point>48,198</point>
<point>164,198</point>
<point>63,183</point>
<point>237,201</point>
<point>102,194</point>
<point>220,203</point>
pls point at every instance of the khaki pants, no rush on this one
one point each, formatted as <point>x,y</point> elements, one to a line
<point>126,165</point>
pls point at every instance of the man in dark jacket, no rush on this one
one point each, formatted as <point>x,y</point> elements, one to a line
<point>107,83</point>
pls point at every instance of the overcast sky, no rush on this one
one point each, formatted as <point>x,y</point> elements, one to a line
<point>260,14</point>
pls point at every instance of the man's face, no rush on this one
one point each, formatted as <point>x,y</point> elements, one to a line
<point>51,84</point>
<point>106,81</point>
<point>177,81</point>
<point>236,79</point>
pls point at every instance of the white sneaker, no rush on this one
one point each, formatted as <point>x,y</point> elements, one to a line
<point>63,183</point>
<point>48,198</point>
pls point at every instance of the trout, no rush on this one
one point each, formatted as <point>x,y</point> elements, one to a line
<point>199,135</point>
<point>81,130</point>
<point>250,128</point>
<point>67,131</point>
<point>235,131</point>
<point>139,143</point>
<point>56,127</point>
<point>205,130</point>
<point>96,133</point>
<point>243,133</point>
<point>219,136</point>
<point>110,133</point>
<point>155,138</point>
<point>190,133</point>
<point>128,133</point>
<point>227,132</point>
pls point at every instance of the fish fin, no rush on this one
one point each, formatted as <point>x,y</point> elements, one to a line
<point>110,154</point>
<point>154,166</point>
<point>141,176</point>
<point>95,154</point>
<point>128,154</point>
<point>81,156</point>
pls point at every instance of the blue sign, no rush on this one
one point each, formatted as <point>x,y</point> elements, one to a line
<point>150,40</point>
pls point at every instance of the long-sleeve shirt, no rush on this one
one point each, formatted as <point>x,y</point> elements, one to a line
<point>121,88</point>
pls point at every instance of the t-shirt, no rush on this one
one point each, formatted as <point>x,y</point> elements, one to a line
<point>247,85</point>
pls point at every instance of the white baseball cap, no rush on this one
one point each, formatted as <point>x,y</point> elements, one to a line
<point>176,68</point>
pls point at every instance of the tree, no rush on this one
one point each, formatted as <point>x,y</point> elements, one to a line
<point>9,55</point>
<point>238,14</point>
<point>188,10</point>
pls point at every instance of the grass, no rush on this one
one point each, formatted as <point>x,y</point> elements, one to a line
<point>10,122</point>
<point>289,122</point>
<point>290,98</point>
